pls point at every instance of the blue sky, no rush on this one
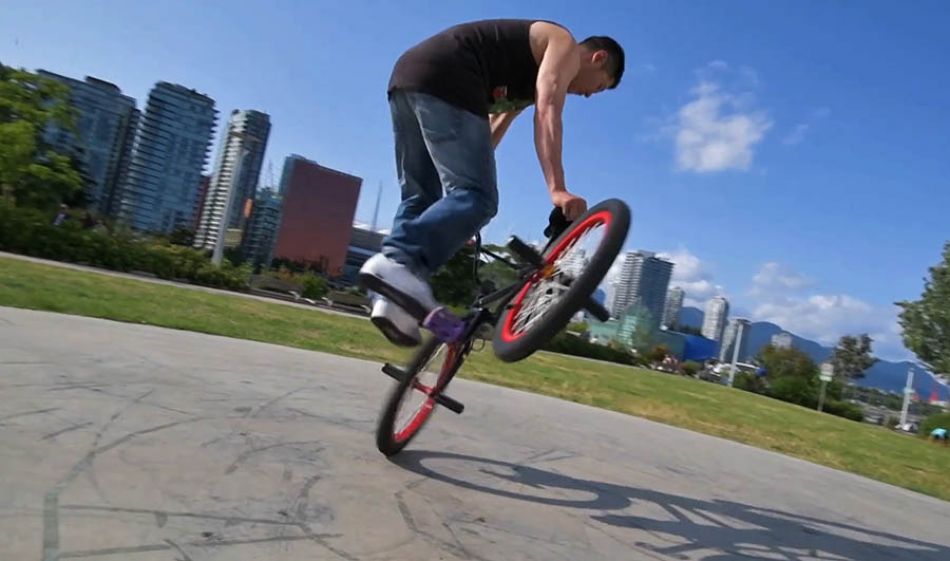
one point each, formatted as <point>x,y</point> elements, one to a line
<point>790,155</point>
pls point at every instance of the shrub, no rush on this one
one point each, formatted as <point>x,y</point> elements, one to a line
<point>691,367</point>
<point>658,353</point>
<point>565,343</point>
<point>932,422</point>
<point>749,382</point>
<point>30,232</point>
<point>793,389</point>
<point>844,409</point>
<point>313,286</point>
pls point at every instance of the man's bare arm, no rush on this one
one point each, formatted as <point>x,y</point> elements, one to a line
<point>559,65</point>
<point>499,125</point>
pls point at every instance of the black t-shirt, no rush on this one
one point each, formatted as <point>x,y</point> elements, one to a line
<point>483,66</point>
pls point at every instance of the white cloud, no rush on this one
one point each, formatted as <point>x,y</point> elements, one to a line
<point>774,277</point>
<point>822,317</point>
<point>693,276</point>
<point>718,130</point>
<point>778,296</point>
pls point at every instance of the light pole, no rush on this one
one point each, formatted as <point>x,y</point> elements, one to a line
<point>827,373</point>
<point>908,391</point>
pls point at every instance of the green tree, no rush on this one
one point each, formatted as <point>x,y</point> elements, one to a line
<point>31,173</point>
<point>852,356</point>
<point>454,284</point>
<point>926,321</point>
<point>792,375</point>
<point>499,273</point>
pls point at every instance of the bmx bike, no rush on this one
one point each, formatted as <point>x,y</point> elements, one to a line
<point>552,285</point>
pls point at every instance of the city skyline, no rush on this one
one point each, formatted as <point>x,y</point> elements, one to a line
<point>834,160</point>
<point>249,184</point>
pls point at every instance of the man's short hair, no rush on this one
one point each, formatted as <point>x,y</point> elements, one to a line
<point>615,59</point>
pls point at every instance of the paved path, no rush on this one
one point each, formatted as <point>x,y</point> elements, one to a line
<point>128,442</point>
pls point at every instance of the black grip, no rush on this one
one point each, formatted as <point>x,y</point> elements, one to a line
<point>596,310</point>
<point>557,223</point>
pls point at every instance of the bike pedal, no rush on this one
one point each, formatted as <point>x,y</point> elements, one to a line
<point>449,403</point>
<point>525,252</point>
<point>394,372</point>
<point>445,325</point>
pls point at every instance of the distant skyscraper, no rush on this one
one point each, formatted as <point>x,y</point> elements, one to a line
<point>257,244</point>
<point>236,173</point>
<point>105,123</point>
<point>611,290</point>
<point>644,279</point>
<point>782,340</point>
<point>168,157</point>
<point>717,312</point>
<point>674,305</point>
<point>317,220</point>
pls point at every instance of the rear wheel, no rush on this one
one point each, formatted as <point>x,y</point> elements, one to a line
<point>411,402</point>
<point>574,265</point>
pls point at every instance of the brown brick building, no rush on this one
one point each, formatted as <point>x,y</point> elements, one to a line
<point>319,204</point>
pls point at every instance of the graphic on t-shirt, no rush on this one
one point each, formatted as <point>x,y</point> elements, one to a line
<point>501,103</point>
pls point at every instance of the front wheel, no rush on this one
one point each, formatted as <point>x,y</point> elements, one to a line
<point>411,401</point>
<point>574,265</point>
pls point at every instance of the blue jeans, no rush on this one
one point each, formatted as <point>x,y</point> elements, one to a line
<point>439,147</point>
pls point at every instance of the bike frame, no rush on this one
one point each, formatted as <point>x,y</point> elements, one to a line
<point>480,310</point>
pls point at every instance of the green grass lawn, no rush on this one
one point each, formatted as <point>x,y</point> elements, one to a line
<point>759,421</point>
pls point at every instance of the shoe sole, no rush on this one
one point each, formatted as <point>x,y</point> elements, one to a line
<point>393,334</point>
<point>401,299</point>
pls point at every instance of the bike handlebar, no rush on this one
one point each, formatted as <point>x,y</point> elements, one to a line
<point>557,223</point>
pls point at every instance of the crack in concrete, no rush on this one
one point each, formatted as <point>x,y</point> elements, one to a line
<point>65,430</point>
<point>51,499</point>
<point>248,453</point>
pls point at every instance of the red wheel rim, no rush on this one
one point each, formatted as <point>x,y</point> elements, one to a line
<point>507,333</point>
<point>426,407</point>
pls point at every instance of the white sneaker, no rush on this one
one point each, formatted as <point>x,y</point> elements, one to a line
<point>398,284</point>
<point>395,323</point>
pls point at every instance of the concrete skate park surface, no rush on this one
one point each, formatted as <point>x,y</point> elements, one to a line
<point>129,442</point>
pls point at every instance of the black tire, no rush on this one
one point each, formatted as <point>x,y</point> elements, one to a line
<point>509,346</point>
<point>388,440</point>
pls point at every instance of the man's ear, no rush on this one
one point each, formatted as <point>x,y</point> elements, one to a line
<point>599,57</point>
